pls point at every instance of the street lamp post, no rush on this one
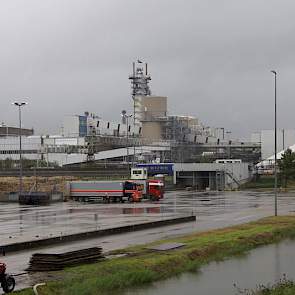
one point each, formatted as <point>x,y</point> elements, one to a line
<point>19,105</point>
<point>275,168</point>
<point>126,117</point>
<point>221,128</point>
<point>283,133</point>
<point>228,134</point>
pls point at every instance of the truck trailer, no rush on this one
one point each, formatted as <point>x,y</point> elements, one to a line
<point>107,191</point>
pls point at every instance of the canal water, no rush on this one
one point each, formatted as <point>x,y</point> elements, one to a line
<point>261,266</point>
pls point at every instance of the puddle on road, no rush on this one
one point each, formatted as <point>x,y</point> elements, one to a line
<point>263,265</point>
<point>120,210</point>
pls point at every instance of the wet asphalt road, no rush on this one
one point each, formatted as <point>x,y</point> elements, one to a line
<point>213,210</point>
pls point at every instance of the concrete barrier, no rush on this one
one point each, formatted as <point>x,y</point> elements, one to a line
<point>13,197</point>
<point>9,197</point>
<point>92,234</point>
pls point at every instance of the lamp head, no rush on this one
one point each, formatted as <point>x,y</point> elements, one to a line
<point>19,104</point>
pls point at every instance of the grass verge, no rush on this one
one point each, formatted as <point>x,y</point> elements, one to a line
<point>283,287</point>
<point>266,182</point>
<point>263,182</point>
<point>143,266</point>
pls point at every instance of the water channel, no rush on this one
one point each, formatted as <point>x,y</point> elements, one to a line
<point>261,266</point>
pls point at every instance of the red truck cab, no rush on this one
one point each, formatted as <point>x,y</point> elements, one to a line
<point>134,191</point>
<point>156,189</point>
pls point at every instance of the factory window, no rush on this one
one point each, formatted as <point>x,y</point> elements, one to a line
<point>108,125</point>
<point>97,124</point>
<point>129,128</point>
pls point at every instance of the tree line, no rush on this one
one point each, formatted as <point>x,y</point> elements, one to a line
<point>286,167</point>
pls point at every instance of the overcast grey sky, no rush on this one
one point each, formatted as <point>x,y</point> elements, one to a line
<point>212,58</point>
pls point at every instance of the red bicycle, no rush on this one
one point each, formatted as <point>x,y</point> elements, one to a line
<point>7,281</point>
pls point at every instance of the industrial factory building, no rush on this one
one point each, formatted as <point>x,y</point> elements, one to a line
<point>6,131</point>
<point>89,124</point>
<point>285,139</point>
<point>213,176</point>
<point>150,135</point>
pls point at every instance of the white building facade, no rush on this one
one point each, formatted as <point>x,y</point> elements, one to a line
<point>285,139</point>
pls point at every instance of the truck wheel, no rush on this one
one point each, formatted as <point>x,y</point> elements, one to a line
<point>130,199</point>
<point>81,199</point>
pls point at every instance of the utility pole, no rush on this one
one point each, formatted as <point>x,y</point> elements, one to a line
<point>275,168</point>
<point>283,133</point>
<point>133,97</point>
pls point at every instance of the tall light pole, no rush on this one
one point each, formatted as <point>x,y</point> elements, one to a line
<point>275,168</point>
<point>221,128</point>
<point>283,133</point>
<point>19,105</point>
<point>126,117</point>
<point>228,134</point>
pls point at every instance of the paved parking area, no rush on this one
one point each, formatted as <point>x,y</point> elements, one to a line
<point>22,223</point>
<point>213,210</point>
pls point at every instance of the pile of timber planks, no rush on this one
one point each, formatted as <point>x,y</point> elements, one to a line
<point>52,262</point>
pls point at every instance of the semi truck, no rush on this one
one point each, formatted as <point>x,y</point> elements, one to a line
<point>107,191</point>
<point>152,189</point>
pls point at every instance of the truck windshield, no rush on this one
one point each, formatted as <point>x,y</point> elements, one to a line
<point>130,185</point>
<point>139,187</point>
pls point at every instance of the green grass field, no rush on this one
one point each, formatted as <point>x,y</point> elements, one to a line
<point>142,266</point>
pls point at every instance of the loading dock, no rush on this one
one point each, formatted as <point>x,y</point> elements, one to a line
<point>213,176</point>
